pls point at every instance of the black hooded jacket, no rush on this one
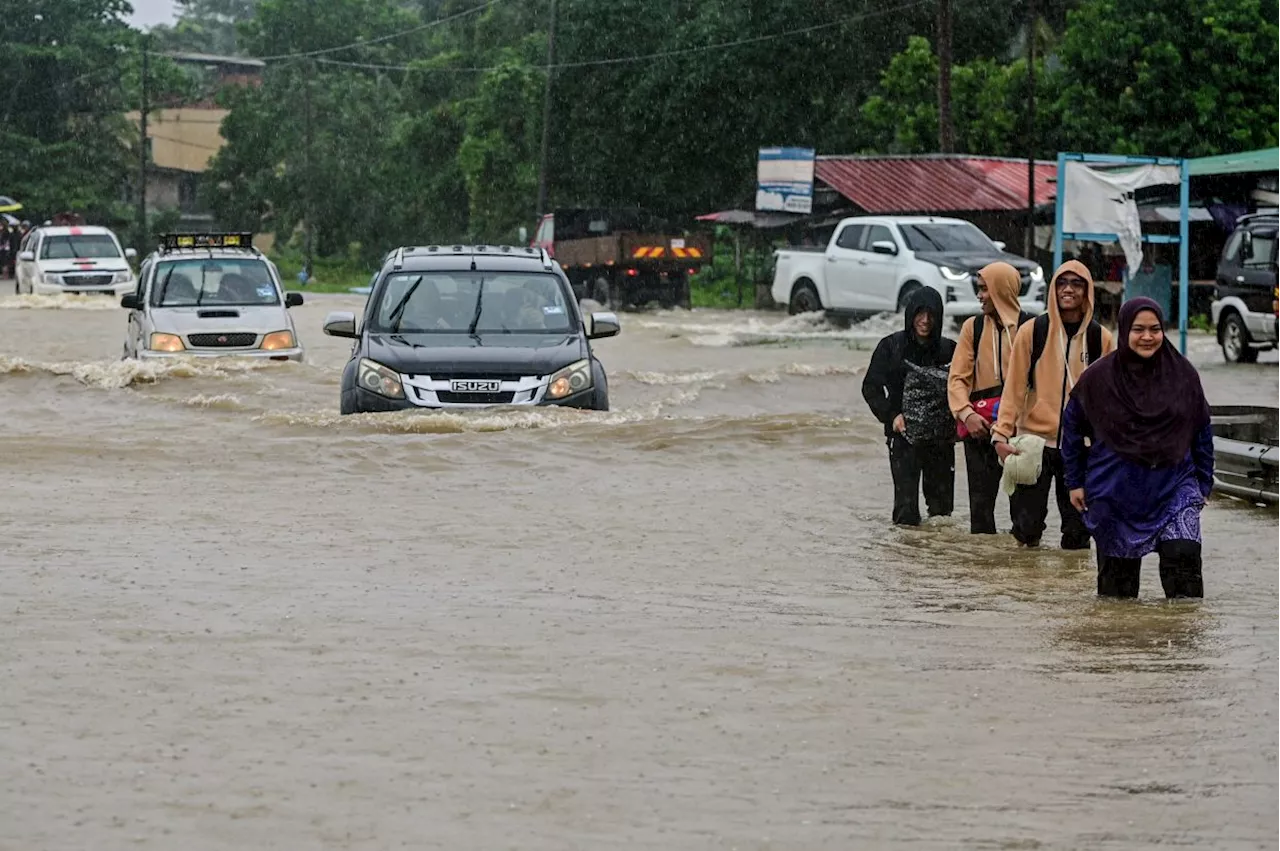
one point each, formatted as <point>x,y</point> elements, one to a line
<point>882,385</point>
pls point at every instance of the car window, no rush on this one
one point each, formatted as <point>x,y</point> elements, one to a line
<point>851,237</point>
<point>1231,254</point>
<point>934,236</point>
<point>879,233</point>
<point>213,281</point>
<point>72,246</point>
<point>446,302</point>
<point>1260,249</point>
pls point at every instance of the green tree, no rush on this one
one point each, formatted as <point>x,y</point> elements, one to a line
<point>1192,78</point>
<point>206,26</point>
<point>63,137</point>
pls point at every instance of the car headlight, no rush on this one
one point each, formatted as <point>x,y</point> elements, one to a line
<point>121,278</point>
<point>574,378</point>
<point>46,278</point>
<point>166,343</point>
<point>379,379</point>
<point>1037,275</point>
<point>953,274</point>
<point>277,340</point>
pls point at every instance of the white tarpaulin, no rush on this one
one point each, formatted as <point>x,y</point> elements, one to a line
<point>1102,202</point>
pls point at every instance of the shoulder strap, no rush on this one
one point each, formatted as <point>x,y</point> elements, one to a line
<point>977,338</point>
<point>1093,341</point>
<point>1039,336</point>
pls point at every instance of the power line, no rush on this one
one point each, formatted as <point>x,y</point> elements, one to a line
<point>366,42</point>
<point>622,60</point>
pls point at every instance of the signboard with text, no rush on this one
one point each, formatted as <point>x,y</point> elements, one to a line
<point>784,180</point>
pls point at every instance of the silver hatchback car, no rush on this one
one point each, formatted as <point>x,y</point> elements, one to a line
<point>210,295</point>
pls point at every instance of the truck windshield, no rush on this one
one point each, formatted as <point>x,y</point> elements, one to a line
<point>187,283</point>
<point>929,236</point>
<point>462,302</point>
<point>73,246</point>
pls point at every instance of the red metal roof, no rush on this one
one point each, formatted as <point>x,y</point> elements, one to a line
<point>935,183</point>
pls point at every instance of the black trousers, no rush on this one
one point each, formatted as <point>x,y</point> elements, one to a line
<point>1180,572</point>
<point>936,464</point>
<point>982,465</point>
<point>1029,506</point>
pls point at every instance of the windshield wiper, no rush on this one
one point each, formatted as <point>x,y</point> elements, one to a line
<point>164,286</point>
<point>936,244</point>
<point>475,320</point>
<point>397,312</point>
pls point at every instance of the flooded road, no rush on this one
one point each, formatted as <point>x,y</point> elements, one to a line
<point>232,618</point>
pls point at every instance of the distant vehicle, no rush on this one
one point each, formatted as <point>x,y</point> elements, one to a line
<point>1245,309</point>
<point>1246,463</point>
<point>210,295</point>
<point>73,259</point>
<point>471,326</point>
<point>872,264</point>
<point>623,258</point>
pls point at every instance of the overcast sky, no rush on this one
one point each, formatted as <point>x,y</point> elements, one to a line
<point>147,13</point>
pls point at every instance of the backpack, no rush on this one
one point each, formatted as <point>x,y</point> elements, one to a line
<point>978,323</point>
<point>1040,336</point>
<point>924,405</point>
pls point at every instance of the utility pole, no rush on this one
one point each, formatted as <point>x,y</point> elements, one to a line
<point>144,152</point>
<point>1029,241</point>
<point>307,181</point>
<point>946,133</point>
<point>546,113</point>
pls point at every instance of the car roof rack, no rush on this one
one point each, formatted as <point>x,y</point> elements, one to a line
<point>188,241</point>
<point>481,249</point>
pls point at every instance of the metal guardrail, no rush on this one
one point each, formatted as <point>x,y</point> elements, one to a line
<point>1245,453</point>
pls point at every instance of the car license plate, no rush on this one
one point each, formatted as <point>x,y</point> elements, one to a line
<point>474,385</point>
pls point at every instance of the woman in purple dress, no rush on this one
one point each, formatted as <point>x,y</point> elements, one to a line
<point>1144,479</point>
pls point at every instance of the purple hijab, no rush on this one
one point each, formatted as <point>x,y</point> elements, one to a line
<point>1148,410</point>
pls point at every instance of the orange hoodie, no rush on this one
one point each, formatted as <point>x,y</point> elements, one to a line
<point>983,370</point>
<point>1039,411</point>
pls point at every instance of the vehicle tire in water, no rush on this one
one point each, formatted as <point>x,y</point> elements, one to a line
<point>804,299</point>
<point>600,398</point>
<point>1235,341</point>
<point>599,290</point>
<point>347,402</point>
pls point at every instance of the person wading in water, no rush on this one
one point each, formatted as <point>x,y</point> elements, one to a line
<point>1143,481</point>
<point>976,380</point>
<point>921,442</point>
<point>1049,355</point>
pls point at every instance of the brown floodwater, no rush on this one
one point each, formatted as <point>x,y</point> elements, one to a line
<point>234,619</point>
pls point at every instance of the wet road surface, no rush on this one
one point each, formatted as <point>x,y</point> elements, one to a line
<point>232,618</point>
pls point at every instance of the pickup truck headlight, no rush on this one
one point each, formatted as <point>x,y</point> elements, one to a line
<point>165,343</point>
<point>277,340</point>
<point>953,274</point>
<point>121,278</point>
<point>379,379</point>
<point>574,378</point>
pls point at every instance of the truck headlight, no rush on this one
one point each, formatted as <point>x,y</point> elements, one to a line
<point>121,278</point>
<point>278,340</point>
<point>574,378</point>
<point>165,343</point>
<point>953,274</point>
<point>379,379</point>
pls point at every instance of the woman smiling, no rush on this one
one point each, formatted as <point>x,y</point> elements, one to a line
<point>1144,479</point>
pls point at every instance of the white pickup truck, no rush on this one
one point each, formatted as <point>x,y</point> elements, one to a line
<point>873,262</point>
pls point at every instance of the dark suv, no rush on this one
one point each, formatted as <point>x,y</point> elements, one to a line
<point>1244,308</point>
<point>470,326</point>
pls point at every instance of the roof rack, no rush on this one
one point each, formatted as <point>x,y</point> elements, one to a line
<point>235,241</point>
<point>472,251</point>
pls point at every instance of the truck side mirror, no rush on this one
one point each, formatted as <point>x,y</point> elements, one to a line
<point>884,246</point>
<point>130,301</point>
<point>293,299</point>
